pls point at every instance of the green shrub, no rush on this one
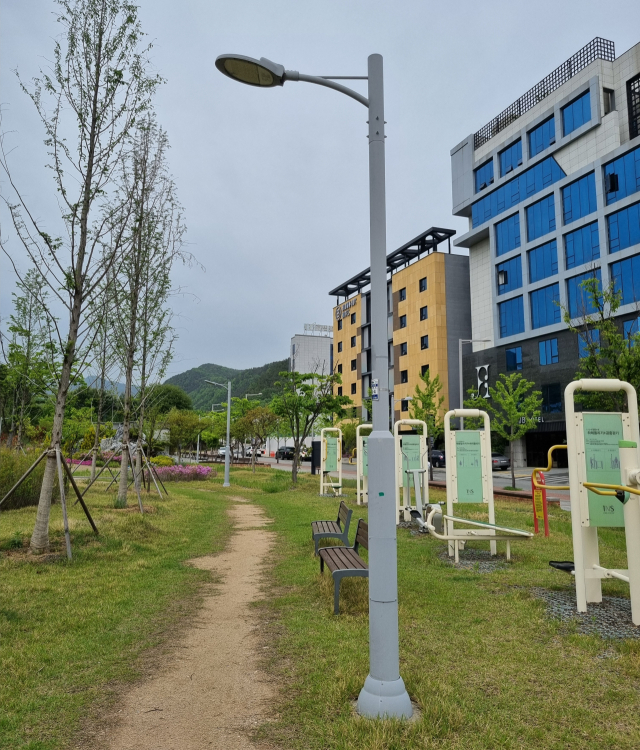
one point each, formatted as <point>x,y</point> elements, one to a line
<point>162,461</point>
<point>13,464</point>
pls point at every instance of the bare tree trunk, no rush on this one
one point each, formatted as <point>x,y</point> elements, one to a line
<point>296,456</point>
<point>40,536</point>
<point>121,501</point>
<point>513,468</point>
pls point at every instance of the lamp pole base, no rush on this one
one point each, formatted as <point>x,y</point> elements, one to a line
<point>379,699</point>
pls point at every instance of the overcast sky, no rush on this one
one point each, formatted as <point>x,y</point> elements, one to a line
<point>275,182</point>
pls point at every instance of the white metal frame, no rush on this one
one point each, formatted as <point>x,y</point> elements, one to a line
<point>326,481</point>
<point>405,505</point>
<point>362,481</point>
<point>588,571</point>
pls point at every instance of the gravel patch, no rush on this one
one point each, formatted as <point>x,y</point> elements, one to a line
<point>477,560</point>
<point>610,619</point>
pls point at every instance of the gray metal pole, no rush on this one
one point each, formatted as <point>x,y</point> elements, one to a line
<point>384,693</point>
<point>227,453</point>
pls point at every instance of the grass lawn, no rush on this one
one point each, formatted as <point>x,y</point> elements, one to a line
<point>479,656</point>
<point>71,633</point>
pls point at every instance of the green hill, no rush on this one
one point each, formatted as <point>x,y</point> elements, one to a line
<point>254,380</point>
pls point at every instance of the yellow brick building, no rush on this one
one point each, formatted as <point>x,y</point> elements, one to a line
<point>428,308</point>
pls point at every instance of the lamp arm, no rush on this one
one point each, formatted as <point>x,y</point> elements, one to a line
<point>293,75</point>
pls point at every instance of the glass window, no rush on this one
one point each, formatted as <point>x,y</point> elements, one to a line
<point>577,113</point>
<point>609,99</point>
<point>582,246</point>
<point>353,341</point>
<point>340,324</point>
<point>579,301</point>
<point>423,369</point>
<point>339,346</point>
<point>543,261</point>
<point>626,279</point>
<point>339,390</point>
<point>623,228</point>
<point>542,136</point>
<point>622,176</point>
<point>548,351</point>
<point>511,315</point>
<point>353,387</point>
<point>592,336</point>
<point>424,342</point>
<point>508,234</point>
<point>528,183</point>
<point>510,158</point>
<point>340,368</point>
<point>484,176</point>
<point>541,218</point>
<point>424,313</point>
<point>579,198</point>
<point>423,284</point>
<point>514,358</point>
<point>403,321</point>
<point>404,405</point>
<point>551,398</point>
<point>353,317</point>
<point>402,294</point>
<point>354,364</point>
<point>633,100</point>
<point>545,306</point>
<point>404,376</point>
<point>403,349</point>
<point>509,275</point>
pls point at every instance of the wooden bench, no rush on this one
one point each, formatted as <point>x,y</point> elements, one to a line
<point>345,561</point>
<point>338,529</point>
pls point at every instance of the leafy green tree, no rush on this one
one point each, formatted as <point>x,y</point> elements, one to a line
<point>302,399</point>
<point>258,423</point>
<point>514,409</point>
<point>609,353</point>
<point>427,406</point>
<point>183,427</point>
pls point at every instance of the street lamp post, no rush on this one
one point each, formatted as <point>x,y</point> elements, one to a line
<point>460,343</point>
<point>384,693</point>
<point>227,453</point>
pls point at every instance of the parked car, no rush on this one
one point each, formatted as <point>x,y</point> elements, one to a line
<point>285,452</point>
<point>498,461</point>
<point>249,452</point>
<point>438,458</point>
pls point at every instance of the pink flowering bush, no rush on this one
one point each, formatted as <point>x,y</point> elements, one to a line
<point>184,473</point>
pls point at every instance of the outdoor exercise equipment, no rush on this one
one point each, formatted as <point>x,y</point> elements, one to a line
<point>331,461</point>
<point>469,481</point>
<point>604,481</point>
<point>411,465</point>
<point>362,465</point>
<point>539,492</point>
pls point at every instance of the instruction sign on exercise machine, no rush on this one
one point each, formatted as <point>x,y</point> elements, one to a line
<point>362,464</point>
<point>468,452</point>
<point>604,483</point>
<point>331,461</point>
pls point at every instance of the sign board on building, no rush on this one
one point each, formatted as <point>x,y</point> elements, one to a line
<point>343,309</point>
<point>315,328</point>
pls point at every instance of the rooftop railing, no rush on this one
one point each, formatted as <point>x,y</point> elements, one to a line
<point>598,48</point>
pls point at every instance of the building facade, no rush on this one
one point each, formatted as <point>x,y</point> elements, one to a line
<point>312,351</point>
<point>428,310</point>
<point>551,189</point>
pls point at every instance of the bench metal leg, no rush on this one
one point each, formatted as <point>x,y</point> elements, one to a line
<point>322,564</point>
<point>336,595</point>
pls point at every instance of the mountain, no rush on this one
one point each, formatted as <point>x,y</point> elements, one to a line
<point>253,380</point>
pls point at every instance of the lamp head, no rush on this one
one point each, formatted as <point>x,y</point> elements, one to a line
<point>262,73</point>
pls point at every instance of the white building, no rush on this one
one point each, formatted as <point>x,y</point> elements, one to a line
<point>313,350</point>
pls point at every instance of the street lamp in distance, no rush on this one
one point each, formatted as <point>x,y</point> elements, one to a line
<point>227,453</point>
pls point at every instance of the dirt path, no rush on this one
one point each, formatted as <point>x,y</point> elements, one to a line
<point>210,693</point>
